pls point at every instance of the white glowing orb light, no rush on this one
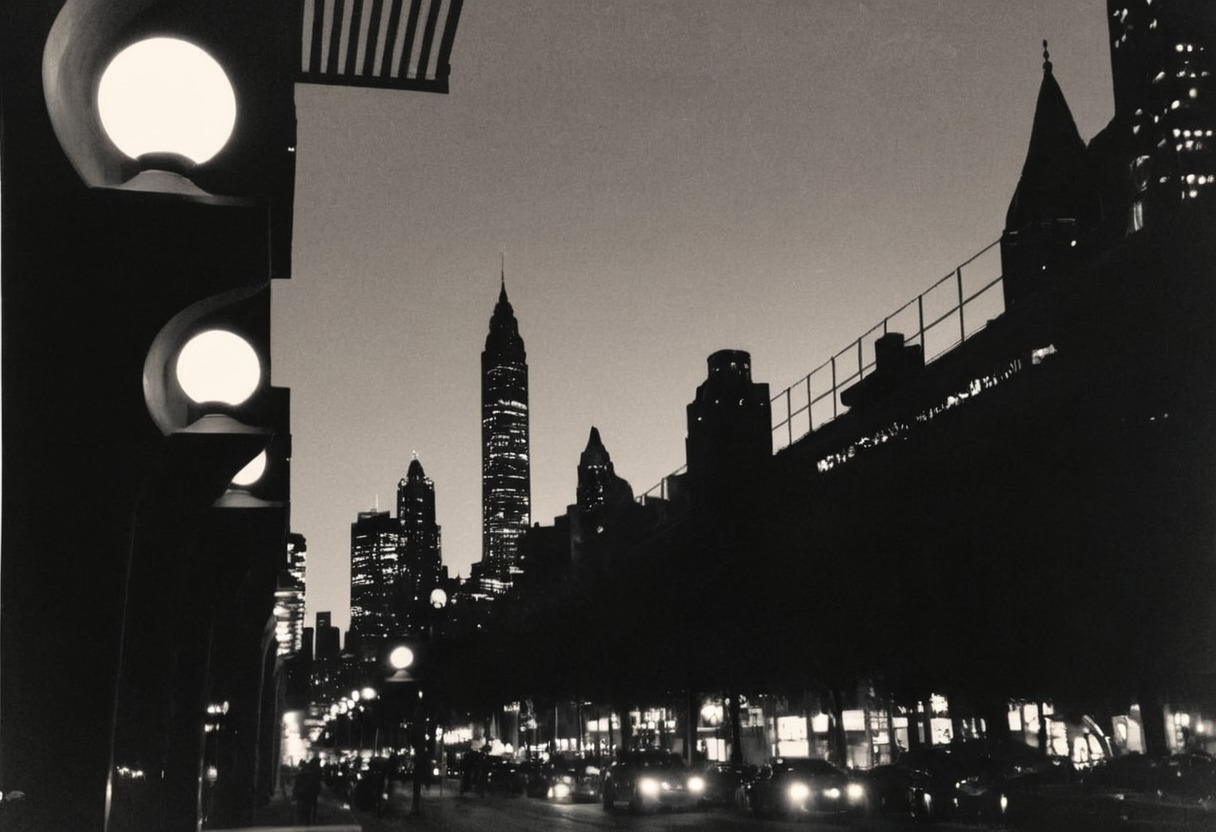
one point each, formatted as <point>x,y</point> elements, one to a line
<point>252,472</point>
<point>218,366</point>
<point>401,658</point>
<point>439,598</point>
<point>165,95</point>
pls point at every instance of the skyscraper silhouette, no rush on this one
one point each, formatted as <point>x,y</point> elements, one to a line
<point>420,562</point>
<point>505,460</point>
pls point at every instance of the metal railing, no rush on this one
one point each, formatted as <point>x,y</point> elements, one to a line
<point>939,319</point>
<point>942,317</point>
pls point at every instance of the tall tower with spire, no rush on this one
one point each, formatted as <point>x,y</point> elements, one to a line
<point>506,485</point>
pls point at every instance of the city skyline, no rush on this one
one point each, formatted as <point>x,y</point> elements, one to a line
<point>665,181</point>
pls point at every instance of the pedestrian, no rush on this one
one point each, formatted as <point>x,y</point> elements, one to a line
<point>306,790</point>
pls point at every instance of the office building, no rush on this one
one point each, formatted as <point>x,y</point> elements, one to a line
<point>505,467</point>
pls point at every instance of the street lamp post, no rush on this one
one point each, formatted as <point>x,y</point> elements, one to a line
<point>419,734</point>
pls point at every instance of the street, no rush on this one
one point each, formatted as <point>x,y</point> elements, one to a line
<point>454,812</point>
<point>450,811</point>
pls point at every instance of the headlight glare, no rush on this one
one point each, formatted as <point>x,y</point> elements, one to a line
<point>855,791</point>
<point>696,784</point>
<point>649,787</point>
<point>832,793</point>
<point>799,791</point>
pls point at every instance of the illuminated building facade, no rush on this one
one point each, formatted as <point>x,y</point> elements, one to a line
<point>419,561</point>
<point>289,598</point>
<point>375,539</point>
<point>1162,60</point>
<point>505,460</point>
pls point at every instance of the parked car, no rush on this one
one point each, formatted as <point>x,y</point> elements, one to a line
<point>803,785</point>
<point>565,777</point>
<point>886,788</point>
<point>649,780</point>
<point>722,780</point>
<point>975,781</point>
<point>501,776</point>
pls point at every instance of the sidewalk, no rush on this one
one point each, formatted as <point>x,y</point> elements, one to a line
<point>280,816</point>
<point>334,816</point>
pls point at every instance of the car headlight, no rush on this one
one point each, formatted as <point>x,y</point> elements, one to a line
<point>649,787</point>
<point>561,790</point>
<point>855,791</point>
<point>696,784</point>
<point>832,793</point>
<point>799,791</point>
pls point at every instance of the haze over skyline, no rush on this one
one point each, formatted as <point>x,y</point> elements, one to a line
<point>665,180</point>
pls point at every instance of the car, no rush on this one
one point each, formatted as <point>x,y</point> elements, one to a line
<point>803,786</point>
<point>886,788</point>
<point>976,781</point>
<point>565,777</point>
<point>722,779</point>
<point>649,780</point>
<point>501,776</point>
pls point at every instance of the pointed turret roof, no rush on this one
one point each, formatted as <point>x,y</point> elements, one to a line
<point>415,471</point>
<point>504,329</point>
<point>595,451</point>
<point>1057,181</point>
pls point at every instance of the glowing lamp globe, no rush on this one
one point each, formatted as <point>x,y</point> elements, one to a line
<point>165,95</point>
<point>401,658</point>
<point>218,366</point>
<point>439,598</point>
<point>252,472</point>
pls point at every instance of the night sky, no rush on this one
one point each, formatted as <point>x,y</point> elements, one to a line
<point>664,179</point>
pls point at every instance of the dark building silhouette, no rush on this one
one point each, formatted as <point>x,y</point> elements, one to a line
<point>420,564</point>
<point>505,465</point>
<point>1055,211</point>
<point>729,431</point>
<point>328,638</point>
<point>375,551</point>
<point>601,498</point>
<point>1025,520</point>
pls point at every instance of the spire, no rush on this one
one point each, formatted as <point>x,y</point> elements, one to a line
<point>1056,181</point>
<point>504,329</point>
<point>502,278</point>
<point>595,452</point>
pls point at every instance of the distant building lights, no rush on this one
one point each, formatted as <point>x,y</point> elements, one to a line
<point>165,95</point>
